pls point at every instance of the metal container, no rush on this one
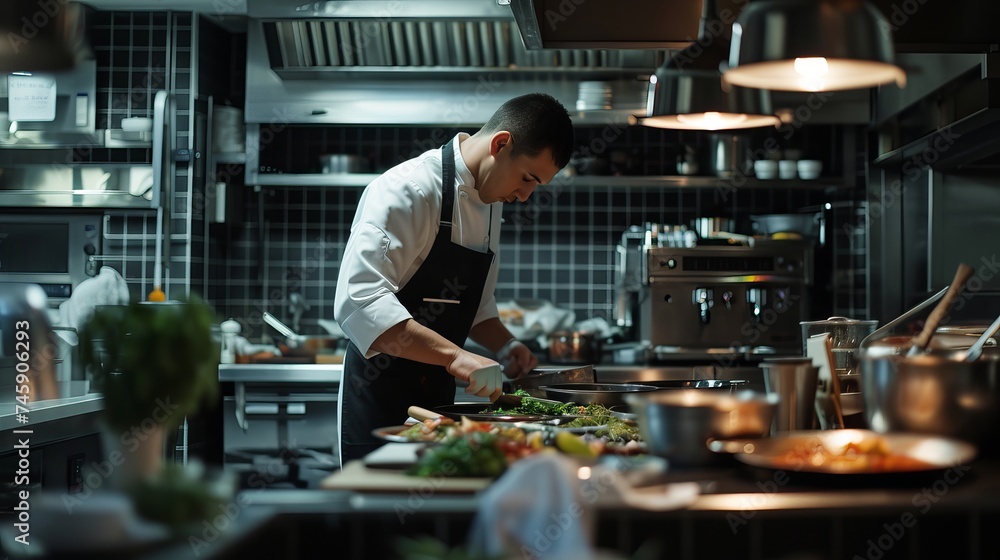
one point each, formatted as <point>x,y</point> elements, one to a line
<point>710,227</point>
<point>343,163</point>
<point>608,394</point>
<point>846,334</point>
<point>934,393</point>
<point>793,381</point>
<point>678,425</point>
<point>566,347</point>
<point>806,225</point>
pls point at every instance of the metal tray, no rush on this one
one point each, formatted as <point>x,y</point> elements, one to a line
<point>930,453</point>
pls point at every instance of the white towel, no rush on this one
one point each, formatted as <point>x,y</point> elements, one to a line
<point>535,511</point>
<point>107,288</point>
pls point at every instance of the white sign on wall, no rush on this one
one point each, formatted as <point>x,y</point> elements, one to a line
<point>32,98</point>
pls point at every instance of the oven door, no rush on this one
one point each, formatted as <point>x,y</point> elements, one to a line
<point>62,245</point>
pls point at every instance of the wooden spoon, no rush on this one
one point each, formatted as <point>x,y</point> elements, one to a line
<point>921,341</point>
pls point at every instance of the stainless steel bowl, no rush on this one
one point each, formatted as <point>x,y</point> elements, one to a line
<point>934,393</point>
<point>677,425</point>
<point>608,394</point>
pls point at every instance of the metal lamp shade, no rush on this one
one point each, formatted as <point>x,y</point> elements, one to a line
<point>695,100</point>
<point>812,45</point>
<point>39,38</point>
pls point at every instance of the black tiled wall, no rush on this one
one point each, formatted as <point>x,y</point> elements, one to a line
<point>557,246</point>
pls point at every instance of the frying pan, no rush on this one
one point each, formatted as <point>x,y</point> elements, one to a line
<point>930,453</point>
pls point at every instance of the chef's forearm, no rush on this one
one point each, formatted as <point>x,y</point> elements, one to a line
<point>413,341</point>
<point>491,333</point>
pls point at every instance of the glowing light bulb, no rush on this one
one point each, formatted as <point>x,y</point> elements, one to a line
<point>812,68</point>
<point>713,120</point>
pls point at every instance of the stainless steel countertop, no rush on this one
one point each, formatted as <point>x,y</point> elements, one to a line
<point>52,409</point>
<point>281,373</point>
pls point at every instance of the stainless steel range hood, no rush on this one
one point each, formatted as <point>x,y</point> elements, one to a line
<point>422,62</point>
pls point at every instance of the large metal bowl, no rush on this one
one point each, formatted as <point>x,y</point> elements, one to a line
<point>934,393</point>
<point>607,394</point>
<point>677,425</point>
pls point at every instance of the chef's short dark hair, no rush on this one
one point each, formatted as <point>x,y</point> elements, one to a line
<point>536,121</point>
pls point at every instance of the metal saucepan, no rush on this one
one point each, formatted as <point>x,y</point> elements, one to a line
<point>299,345</point>
<point>935,393</point>
<point>677,425</point>
<point>566,347</point>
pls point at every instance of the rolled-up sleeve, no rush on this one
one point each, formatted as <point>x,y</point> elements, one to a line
<point>390,231</point>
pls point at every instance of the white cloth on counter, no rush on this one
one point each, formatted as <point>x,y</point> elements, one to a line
<point>107,288</point>
<point>392,234</point>
<point>535,511</point>
<point>534,319</point>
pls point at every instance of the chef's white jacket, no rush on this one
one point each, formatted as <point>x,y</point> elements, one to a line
<point>392,234</point>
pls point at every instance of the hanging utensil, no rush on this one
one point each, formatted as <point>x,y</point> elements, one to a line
<point>973,353</point>
<point>885,329</point>
<point>921,341</point>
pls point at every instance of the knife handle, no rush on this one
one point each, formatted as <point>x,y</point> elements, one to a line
<point>421,413</point>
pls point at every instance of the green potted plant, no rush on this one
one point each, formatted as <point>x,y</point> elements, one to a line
<point>154,363</point>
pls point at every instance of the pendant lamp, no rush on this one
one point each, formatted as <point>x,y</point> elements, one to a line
<point>812,45</point>
<point>35,40</point>
<point>686,92</point>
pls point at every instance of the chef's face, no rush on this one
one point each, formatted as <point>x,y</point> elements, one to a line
<point>514,177</point>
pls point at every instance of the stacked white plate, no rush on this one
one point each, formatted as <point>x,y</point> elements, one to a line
<point>593,96</point>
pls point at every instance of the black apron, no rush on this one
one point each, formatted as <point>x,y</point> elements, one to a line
<point>376,393</point>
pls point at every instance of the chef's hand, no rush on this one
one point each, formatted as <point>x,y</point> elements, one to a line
<point>486,382</point>
<point>483,374</point>
<point>516,359</point>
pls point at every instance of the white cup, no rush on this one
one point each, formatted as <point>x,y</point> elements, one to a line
<point>786,169</point>
<point>765,168</point>
<point>810,168</point>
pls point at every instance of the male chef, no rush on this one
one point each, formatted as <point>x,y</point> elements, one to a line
<point>420,268</point>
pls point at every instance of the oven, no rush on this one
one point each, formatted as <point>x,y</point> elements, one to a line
<point>51,250</point>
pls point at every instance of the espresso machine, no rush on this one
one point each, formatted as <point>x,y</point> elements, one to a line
<point>739,302</point>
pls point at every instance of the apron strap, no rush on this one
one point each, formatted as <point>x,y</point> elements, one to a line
<point>447,185</point>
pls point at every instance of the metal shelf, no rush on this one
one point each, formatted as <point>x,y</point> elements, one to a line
<point>646,181</point>
<point>409,73</point>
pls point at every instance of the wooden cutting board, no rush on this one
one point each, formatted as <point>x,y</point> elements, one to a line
<point>356,476</point>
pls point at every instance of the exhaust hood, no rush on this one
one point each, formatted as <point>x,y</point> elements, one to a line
<point>431,62</point>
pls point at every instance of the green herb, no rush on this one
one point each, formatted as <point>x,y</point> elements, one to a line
<point>472,454</point>
<point>530,405</point>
